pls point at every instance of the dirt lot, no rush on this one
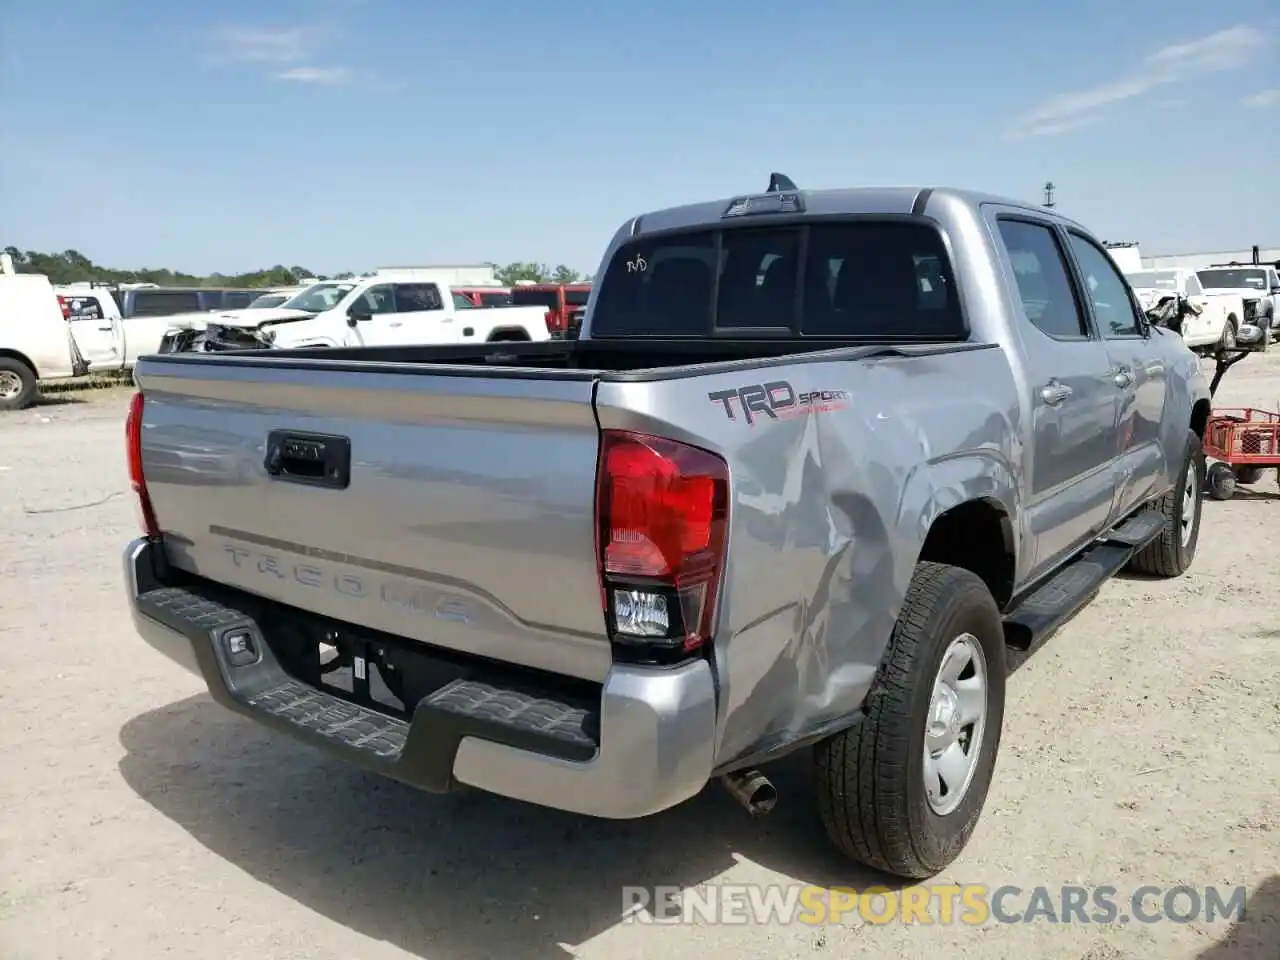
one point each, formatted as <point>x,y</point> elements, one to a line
<point>1142,747</point>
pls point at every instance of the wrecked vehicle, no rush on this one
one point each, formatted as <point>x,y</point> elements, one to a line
<point>1210,322</point>
<point>817,459</point>
<point>386,309</point>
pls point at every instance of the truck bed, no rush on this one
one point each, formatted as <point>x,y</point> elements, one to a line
<point>634,359</point>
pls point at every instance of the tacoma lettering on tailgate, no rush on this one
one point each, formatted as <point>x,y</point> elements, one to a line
<point>403,596</point>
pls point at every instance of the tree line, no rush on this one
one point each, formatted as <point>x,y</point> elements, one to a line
<point>71,266</point>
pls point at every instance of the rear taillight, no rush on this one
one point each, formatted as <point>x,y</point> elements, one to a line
<point>552,320</point>
<point>66,310</point>
<point>661,510</point>
<point>133,443</point>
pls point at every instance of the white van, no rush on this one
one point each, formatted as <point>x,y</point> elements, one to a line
<point>35,340</point>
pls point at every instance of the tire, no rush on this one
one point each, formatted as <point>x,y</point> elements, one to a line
<point>17,384</point>
<point>871,779</point>
<point>1171,553</point>
<point>1248,475</point>
<point>1227,341</point>
<point>1222,482</point>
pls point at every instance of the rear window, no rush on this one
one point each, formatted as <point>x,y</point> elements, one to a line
<point>536,298</point>
<point>158,303</point>
<point>81,307</point>
<point>873,280</point>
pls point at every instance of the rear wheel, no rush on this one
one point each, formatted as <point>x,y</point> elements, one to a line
<point>902,791</point>
<point>17,384</point>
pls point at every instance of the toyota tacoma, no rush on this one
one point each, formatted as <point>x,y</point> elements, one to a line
<point>816,462</point>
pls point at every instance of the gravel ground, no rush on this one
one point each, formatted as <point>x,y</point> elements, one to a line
<point>142,820</point>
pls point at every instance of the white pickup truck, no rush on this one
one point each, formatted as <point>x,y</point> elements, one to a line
<point>382,310</point>
<point>1256,285</point>
<point>1220,318</point>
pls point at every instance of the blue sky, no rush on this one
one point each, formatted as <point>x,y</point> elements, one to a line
<point>348,134</point>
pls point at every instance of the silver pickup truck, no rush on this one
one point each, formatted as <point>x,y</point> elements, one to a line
<point>816,461</point>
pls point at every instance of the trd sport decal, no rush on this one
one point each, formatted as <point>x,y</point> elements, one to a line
<point>776,400</point>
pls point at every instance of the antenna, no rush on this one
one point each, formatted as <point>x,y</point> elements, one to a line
<point>1048,195</point>
<point>780,181</point>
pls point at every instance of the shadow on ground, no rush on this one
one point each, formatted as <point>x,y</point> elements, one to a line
<point>1257,935</point>
<point>57,399</point>
<point>463,875</point>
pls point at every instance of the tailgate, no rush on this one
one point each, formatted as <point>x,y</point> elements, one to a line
<point>467,520</point>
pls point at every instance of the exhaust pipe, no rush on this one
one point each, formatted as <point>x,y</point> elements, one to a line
<point>752,789</point>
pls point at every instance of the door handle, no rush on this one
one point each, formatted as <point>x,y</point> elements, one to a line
<point>1122,377</point>
<point>1053,393</point>
<point>396,323</point>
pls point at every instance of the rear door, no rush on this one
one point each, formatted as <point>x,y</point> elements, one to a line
<point>1137,373</point>
<point>98,335</point>
<point>421,315</point>
<point>1073,402</point>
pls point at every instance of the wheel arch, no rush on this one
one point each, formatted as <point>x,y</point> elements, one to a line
<point>21,358</point>
<point>508,335</point>
<point>976,535</point>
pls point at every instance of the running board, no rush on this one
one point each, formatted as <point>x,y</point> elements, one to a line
<point>1036,617</point>
<point>1137,531</point>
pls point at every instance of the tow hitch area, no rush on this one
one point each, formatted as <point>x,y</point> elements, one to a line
<point>359,671</point>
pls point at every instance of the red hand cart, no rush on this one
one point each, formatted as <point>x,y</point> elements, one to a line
<point>1244,441</point>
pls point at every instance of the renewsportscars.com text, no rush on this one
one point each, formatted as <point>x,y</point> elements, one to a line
<point>944,904</point>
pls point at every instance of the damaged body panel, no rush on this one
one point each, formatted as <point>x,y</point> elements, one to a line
<point>824,536</point>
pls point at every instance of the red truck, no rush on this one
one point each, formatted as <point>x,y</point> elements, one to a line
<point>564,302</point>
<point>486,296</point>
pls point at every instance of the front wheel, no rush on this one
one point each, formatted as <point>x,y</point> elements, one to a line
<point>1171,553</point>
<point>902,791</point>
<point>1227,342</point>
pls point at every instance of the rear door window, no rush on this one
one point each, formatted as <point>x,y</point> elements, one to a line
<point>417,297</point>
<point>859,279</point>
<point>549,299</point>
<point>82,307</point>
<point>1044,279</point>
<point>159,303</point>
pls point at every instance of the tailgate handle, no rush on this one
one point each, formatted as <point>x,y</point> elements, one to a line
<point>317,459</point>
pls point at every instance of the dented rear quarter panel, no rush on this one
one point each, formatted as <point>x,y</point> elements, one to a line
<point>829,510</point>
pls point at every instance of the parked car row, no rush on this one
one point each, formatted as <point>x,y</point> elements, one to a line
<point>113,326</point>
<point>386,309</point>
<point>1231,306</point>
<point>389,309</point>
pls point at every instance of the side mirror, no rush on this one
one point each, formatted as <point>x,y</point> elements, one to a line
<point>356,315</point>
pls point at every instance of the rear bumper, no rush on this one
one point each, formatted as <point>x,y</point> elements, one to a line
<point>651,747</point>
